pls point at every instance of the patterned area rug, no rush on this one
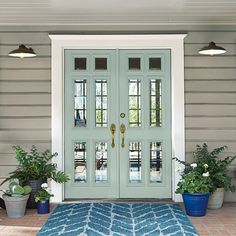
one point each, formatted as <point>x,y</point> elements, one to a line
<point>116,219</point>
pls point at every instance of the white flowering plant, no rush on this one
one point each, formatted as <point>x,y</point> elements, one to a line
<point>43,194</point>
<point>195,180</point>
<point>208,169</point>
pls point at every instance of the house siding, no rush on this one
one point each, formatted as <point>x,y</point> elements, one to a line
<point>25,88</point>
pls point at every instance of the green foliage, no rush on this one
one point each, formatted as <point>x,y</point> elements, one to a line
<point>36,166</point>
<point>27,189</point>
<point>196,180</point>
<point>216,167</point>
<point>16,190</point>
<point>42,195</point>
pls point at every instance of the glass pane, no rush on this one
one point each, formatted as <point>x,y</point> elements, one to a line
<point>134,63</point>
<point>155,103</point>
<point>155,63</point>
<point>101,103</point>
<point>155,162</point>
<point>135,162</point>
<point>80,162</point>
<point>134,103</point>
<point>101,162</point>
<point>100,63</point>
<point>80,63</point>
<point>80,103</point>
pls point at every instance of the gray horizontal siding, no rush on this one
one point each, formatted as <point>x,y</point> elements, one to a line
<point>210,96</point>
<point>25,96</point>
<point>25,87</point>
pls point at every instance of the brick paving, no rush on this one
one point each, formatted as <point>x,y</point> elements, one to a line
<point>216,222</point>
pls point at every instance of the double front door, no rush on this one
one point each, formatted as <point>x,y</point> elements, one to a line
<point>117,123</point>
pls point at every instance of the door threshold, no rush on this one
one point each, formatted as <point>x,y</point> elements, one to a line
<point>131,200</point>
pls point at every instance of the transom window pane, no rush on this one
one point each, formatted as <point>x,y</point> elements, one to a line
<point>100,63</point>
<point>101,103</point>
<point>80,162</point>
<point>155,103</point>
<point>80,63</point>
<point>155,162</point>
<point>101,162</point>
<point>80,103</point>
<point>134,63</point>
<point>134,103</point>
<point>135,162</point>
<point>154,63</point>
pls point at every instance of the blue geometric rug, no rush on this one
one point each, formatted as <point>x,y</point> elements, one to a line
<point>116,219</point>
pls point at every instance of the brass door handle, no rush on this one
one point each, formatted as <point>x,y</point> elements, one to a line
<point>122,130</point>
<point>113,130</point>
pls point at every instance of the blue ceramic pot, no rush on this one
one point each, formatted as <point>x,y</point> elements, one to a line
<point>196,203</point>
<point>43,207</point>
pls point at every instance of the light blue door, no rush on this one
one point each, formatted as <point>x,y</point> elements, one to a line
<point>117,123</point>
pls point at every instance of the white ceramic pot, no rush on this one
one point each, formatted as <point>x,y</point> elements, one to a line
<point>216,199</point>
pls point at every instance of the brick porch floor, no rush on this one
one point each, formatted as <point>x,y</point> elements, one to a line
<point>216,222</point>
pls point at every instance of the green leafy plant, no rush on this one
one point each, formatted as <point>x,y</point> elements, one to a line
<point>16,190</point>
<point>43,194</point>
<point>36,166</point>
<point>217,166</point>
<point>195,180</point>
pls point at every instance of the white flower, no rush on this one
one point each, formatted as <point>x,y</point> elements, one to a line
<point>178,169</point>
<point>205,165</point>
<point>44,185</point>
<point>206,174</point>
<point>193,165</point>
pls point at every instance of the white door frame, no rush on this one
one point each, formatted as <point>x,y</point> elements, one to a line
<point>174,42</point>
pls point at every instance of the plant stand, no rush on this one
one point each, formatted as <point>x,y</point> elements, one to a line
<point>15,206</point>
<point>216,199</point>
<point>196,203</point>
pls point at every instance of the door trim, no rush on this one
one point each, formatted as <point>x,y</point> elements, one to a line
<point>174,42</point>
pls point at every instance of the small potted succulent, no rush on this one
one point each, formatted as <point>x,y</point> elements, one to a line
<point>42,198</point>
<point>16,198</point>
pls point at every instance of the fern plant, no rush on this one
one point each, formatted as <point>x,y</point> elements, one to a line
<point>217,166</point>
<point>36,166</point>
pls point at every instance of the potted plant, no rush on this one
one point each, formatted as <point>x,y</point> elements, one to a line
<point>35,168</point>
<point>195,186</point>
<point>42,198</point>
<point>218,170</point>
<point>15,199</point>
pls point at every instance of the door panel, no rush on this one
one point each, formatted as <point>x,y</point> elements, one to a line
<point>90,107</point>
<point>125,95</point>
<point>145,161</point>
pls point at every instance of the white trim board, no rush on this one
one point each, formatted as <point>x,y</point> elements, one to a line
<point>174,42</point>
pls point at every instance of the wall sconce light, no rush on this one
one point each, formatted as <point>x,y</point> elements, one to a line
<point>212,49</point>
<point>22,52</point>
